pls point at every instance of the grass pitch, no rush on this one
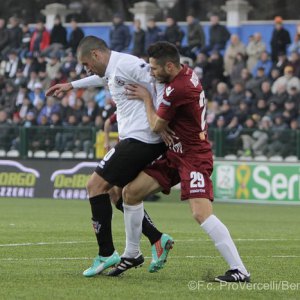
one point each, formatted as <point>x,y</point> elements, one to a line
<point>46,244</point>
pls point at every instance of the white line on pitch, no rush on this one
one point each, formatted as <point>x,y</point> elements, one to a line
<point>146,257</point>
<point>177,241</point>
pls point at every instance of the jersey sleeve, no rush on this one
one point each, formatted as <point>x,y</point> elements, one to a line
<point>90,81</point>
<point>170,103</point>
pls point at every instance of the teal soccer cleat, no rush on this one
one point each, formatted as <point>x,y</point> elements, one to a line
<point>160,251</point>
<point>101,263</point>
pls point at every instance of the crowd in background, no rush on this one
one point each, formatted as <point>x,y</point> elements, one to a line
<point>253,95</point>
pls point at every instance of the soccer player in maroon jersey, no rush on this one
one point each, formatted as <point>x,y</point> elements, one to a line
<point>188,161</point>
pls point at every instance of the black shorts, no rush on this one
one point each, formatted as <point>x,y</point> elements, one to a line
<point>127,159</point>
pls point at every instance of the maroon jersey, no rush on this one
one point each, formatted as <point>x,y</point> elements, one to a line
<point>184,106</point>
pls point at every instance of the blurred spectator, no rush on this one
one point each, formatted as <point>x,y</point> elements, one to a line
<point>265,90</point>
<point>49,108</point>
<point>263,62</point>
<point>68,63</point>
<point>37,95</point>
<point>250,97</point>
<point>79,109</point>
<point>278,138</point>
<point>138,39</point>
<point>218,35</point>
<point>243,112</point>
<point>92,109</point>
<point>53,66</point>
<point>236,95</point>
<point>84,139</point>
<point>295,46</point>
<point>215,70</point>
<point>226,112</point>
<point>5,131</point>
<point>25,107</point>
<point>281,62</point>
<point>4,38</point>
<point>40,39</point>
<point>58,33</point>
<point>153,33</point>
<point>119,34</point>
<point>41,63</point>
<point>195,37</point>
<point>7,97</point>
<point>26,37</point>
<point>12,64</point>
<point>239,64</point>
<point>58,39</point>
<point>288,80</point>
<point>280,38</point>
<point>280,96</point>
<point>245,76</point>
<point>255,82</point>
<point>173,34</point>
<point>232,134</point>
<point>254,50</point>
<point>29,66</point>
<point>22,93</point>
<point>275,74</point>
<point>290,111</point>
<point>15,33</point>
<point>295,63</point>
<point>41,136</point>
<point>235,46</point>
<point>65,141</point>
<point>221,94</point>
<point>76,35</point>
<point>261,108</point>
<point>254,142</point>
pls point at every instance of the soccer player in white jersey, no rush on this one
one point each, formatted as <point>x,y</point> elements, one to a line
<point>137,148</point>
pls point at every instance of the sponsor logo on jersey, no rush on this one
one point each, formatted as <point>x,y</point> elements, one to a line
<point>169,90</point>
<point>194,79</point>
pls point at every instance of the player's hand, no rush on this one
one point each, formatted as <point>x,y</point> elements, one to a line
<point>168,136</point>
<point>59,89</point>
<point>137,92</point>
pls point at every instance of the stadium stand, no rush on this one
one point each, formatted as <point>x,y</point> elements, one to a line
<point>253,98</point>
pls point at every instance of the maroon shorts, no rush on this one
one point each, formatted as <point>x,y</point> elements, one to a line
<point>192,172</point>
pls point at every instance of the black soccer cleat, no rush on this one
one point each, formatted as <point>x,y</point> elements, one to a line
<point>126,264</point>
<point>233,276</point>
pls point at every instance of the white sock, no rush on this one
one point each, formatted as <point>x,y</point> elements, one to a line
<point>223,242</point>
<point>133,217</point>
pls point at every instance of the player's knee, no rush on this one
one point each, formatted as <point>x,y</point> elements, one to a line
<point>96,187</point>
<point>129,195</point>
<point>199,216</point>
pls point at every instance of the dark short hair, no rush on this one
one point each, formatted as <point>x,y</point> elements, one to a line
<point>164,52</point>
<point>89,43</point>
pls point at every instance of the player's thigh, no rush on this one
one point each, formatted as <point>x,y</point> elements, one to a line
<point>201,209</point>
<point>142,186</point>
<point>97,185</point>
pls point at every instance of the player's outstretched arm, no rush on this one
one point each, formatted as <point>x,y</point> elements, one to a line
<point>59,89</point>
<point>90,81</point>
<point>135,92</point>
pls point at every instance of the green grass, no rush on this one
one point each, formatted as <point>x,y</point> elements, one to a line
<point>268,238</point>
